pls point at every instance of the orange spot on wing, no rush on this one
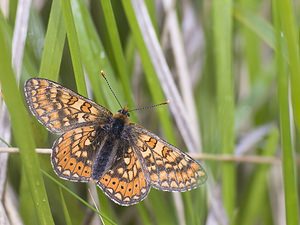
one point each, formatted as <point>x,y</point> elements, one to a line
<point>86,171</point>
<point>79,168</point>
<point>105,179</point>
<point>72,100</point>
<point>71,164</point>
<point>129,189</point>
<point>86,107</point>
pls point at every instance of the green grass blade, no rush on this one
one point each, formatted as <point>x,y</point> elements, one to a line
<point>222,23</point>
<point>54,44</point>
<point>64,205</point>
<point>106,207</point>
<point>95,58</point>
<point>252,40</point>
<point>27,208</point>
<point>257,25</point>
<point>144,216</point>
<point>78,197</point>
<point>23,134</point>
<point>288,156</point>
<point>117,51</point>
<point>253,198</point>
<point>291,33</point>
<point>74,46</point>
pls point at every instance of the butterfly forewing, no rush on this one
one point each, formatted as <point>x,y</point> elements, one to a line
<point>169,168</point>
<point>60,109</point>
<point>125,183</point>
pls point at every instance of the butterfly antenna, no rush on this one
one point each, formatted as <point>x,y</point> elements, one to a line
<point>151,106</point>
<point>104,76</point>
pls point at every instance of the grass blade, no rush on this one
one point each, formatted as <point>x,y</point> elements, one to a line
<point>288,160</point>
<point>253,199</point>
<point>74,46</point>
<point>66,212</point>
<point>222,19</point>
<point>152,80</point>
<point>94,57</point>
<point>23,135</point>
<point>54,44</point>
<point>290,32</point>
<point>117,51</point>
<point>78,197</point>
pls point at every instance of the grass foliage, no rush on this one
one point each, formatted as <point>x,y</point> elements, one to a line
<point>241,62</point>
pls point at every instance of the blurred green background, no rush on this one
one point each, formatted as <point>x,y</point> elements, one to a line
<point>230,69</point>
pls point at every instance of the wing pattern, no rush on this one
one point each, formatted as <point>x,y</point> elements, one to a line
<point>73,154</point>
<point>169,168</point>
<point>59,109</point>
<point>123,158</point>
<point>125,183</point>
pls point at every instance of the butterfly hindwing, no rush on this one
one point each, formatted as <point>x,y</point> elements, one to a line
<point>73,154</point>
<point>125,183</point>
<point>169,168</point>
<point>60,109</point>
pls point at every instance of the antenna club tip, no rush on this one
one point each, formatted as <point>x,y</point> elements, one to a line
<point>102,73</point>
<point>167,101</point>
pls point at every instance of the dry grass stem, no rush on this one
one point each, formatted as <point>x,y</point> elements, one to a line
<point>199,156</point>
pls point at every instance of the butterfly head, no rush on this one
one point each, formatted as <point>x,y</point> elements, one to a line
<point>124,111</point>
<point>123,114</point>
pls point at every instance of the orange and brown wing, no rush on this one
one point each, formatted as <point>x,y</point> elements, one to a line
<point>59,109</point>
<point>73,154</point>
<point>169,168</point>
<point>125,183</point>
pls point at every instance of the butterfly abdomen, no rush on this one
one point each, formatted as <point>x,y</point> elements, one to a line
<point>105,155</point>
<point>107,151</point>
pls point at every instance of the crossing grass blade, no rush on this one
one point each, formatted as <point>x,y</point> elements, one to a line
<point>109,221</point>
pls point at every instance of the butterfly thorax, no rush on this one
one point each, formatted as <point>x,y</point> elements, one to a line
<point>120,119</point>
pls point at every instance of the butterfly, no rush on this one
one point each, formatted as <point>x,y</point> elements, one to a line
<point>123,158</point>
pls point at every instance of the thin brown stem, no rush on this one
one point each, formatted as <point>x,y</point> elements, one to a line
<point>200,156</point>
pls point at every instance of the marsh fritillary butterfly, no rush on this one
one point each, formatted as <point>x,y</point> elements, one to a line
<point>124,159</point>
